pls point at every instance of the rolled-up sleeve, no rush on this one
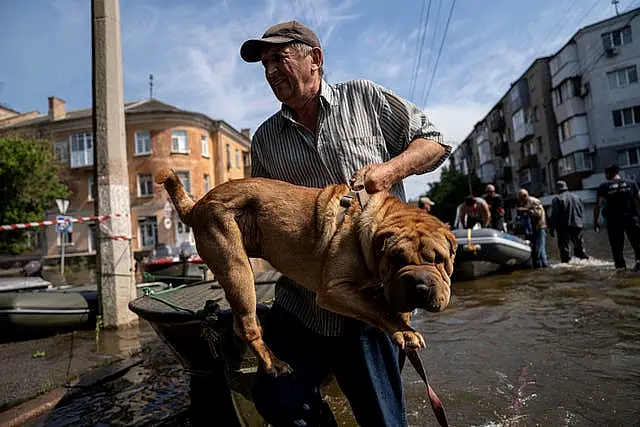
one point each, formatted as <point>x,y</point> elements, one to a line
<point>402,122</point>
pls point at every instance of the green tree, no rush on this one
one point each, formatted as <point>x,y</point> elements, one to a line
<point>450,191</point>
<point>28,185</point>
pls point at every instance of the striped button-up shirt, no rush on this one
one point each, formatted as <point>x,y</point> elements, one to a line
<point>359,123</point>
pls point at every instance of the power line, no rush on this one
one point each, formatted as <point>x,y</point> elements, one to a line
<point>431,50</point>
<point>444,37</point>
<point>420,45</point>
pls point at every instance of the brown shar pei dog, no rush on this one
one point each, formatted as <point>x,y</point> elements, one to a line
<point>375,263</point>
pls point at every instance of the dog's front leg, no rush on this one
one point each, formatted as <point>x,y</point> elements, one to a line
<point>344,298</point>
<point>221,247</point>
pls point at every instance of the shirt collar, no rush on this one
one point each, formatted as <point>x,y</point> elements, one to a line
<point>328,99</point>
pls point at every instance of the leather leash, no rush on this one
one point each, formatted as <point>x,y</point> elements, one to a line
<point>357,191</point>
<point>434,400</point>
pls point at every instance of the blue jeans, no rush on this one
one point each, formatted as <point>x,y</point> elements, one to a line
<point>539,248</point>
<point>363,360</point>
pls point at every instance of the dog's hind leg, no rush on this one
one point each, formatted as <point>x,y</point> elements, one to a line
<point>220,246</point>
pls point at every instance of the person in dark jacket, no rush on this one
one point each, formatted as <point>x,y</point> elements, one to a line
<point>567,219</point>
<point>496,208</point>
<point>621,213</point>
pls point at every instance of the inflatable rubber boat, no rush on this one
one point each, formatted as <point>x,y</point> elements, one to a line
<point>484,250</point>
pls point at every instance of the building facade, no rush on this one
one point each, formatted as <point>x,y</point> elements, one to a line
<point>567,117</point>
<point>204,153</point>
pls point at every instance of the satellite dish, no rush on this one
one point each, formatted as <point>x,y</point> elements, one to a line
<point>167,223</point>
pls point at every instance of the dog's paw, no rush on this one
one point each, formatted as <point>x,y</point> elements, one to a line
<point>277,368</point>
<point>409,340</point>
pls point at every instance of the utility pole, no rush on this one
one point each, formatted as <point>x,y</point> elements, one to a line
<point>150,86</point>
<point>615,5</point>
<point>114,263</point>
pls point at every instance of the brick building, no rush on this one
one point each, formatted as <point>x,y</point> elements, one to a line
<point>203,151</point>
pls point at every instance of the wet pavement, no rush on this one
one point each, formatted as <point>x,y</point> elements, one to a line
<point>553,347</point>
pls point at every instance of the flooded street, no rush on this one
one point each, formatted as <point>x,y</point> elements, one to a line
<point>554,347</point>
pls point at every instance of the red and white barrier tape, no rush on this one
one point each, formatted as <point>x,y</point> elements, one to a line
<point>99,218</point>
<point>108,232</point>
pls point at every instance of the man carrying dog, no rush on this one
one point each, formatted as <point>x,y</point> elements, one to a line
<point>322,135</point>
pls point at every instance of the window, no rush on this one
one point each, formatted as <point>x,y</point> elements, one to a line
<point>147,231</point>
<point>185,179</point>
<point>246,159</point>
<point>524,176</point>
<point>622,77</point>
<point>145,186</point>
<point>143,142</point>
<point>207,183</point>
<point>626,116</point>
<point>238,159</point>
<point>61,153</point>
<point>528,148</point>
<point>229,159</point>
<point>629,157</point>
<point>564,130</point>
<point>91,192</point>
<point>204,145</point>
<point>617,37</point>
<point>179,142</point>
<point>81,150</point>
<point>567,90</point>
<point>575,162</point>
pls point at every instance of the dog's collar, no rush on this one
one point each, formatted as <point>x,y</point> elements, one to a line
<point>355,192</point>
<point>361,195</point>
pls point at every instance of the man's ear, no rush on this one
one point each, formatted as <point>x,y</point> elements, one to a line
<point>317,57</point>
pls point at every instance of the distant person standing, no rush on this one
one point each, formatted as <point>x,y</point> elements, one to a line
<point>567,219</point>
<point>496,208</point>
<point>532,209</point>
<point>621,214</point>
<point>425,204</point>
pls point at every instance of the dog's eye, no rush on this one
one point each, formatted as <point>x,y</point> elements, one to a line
<point>438,259</point>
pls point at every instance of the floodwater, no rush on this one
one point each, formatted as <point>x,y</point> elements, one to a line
<point>552,347</point>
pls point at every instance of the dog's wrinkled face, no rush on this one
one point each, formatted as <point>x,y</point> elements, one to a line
<point>416,263</point>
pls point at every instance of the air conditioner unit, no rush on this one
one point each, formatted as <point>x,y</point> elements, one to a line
<point>584,90</point>
<point>611,51</point>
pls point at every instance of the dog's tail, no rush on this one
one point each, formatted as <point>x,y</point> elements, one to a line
<point>179,196</point>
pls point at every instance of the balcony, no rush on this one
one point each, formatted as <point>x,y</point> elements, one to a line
<point>528,162</point>
<point>524,131</point>
<point>573,106</point>
<point>573,144</point>
<point>496,123</point>
<point>579,162</point>
<point>564,65</point>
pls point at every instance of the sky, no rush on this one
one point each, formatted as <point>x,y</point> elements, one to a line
<point>192,49</point>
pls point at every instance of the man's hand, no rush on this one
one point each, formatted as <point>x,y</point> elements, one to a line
<point>596,227</point>
<point>375,178</point>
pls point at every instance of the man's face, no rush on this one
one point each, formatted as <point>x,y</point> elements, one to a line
<point>288,72</point>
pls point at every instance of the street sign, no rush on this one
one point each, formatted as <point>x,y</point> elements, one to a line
<point>63,205</point>
<point>64,227</point>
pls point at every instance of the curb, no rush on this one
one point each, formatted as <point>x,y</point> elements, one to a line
<point>31,409</point>
<point>37,406</point>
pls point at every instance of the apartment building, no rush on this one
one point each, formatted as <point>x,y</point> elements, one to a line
<point>567,117</point>
<point>515,144</point>
<point>597,101</point>
<point>203,151</point>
